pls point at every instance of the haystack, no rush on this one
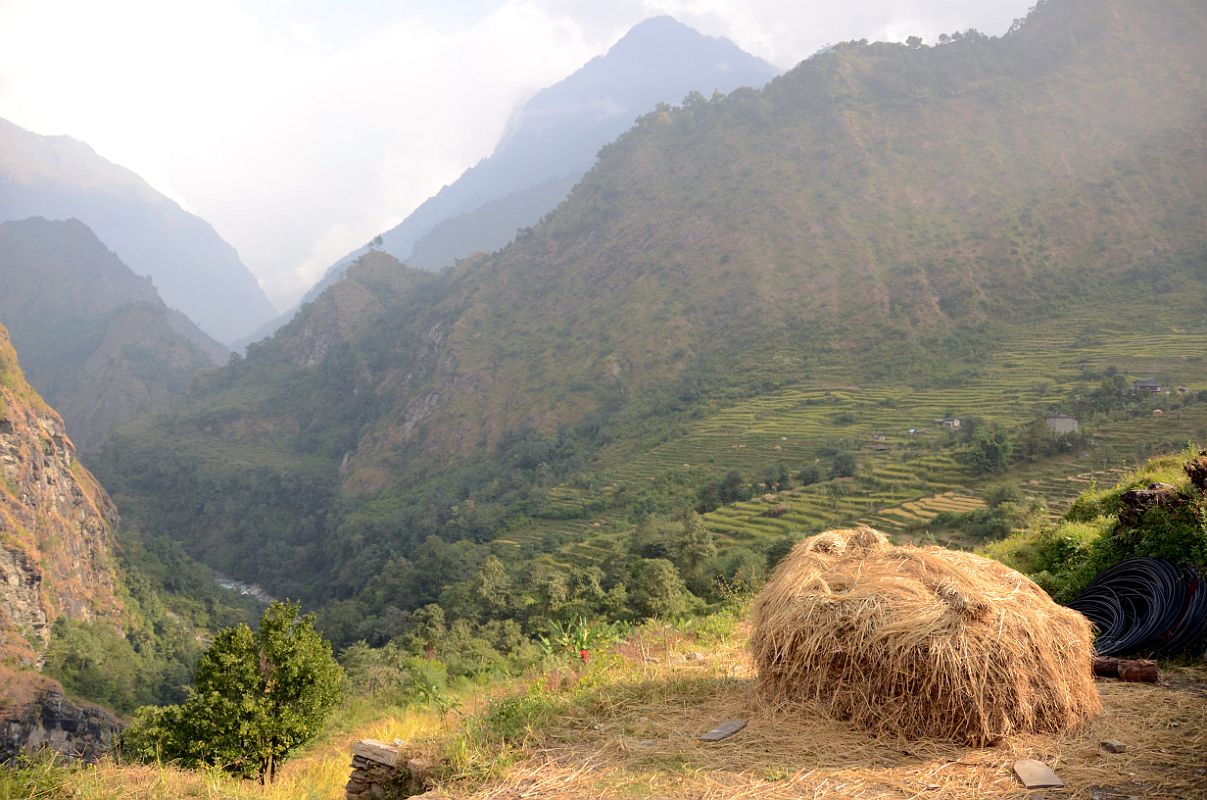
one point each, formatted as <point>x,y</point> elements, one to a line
<point>921,642</point>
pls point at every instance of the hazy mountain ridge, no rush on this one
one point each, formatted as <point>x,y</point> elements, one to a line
<point>880,210</point>
<point>94,337</point>
<point>552,141</point>
<point>557,133</point>
<point>195,270</point>
<point>490,226</point>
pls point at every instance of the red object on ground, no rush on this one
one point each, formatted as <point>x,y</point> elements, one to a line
<point>1131,670</point>
<point>584,654</point>
<point>1138,671</point>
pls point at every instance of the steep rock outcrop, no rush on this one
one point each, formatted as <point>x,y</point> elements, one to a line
<point>56,523</point>
<point>56,561</point>
<point>36,715</point>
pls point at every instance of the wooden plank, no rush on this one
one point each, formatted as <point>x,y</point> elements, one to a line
<point>1036,774</point>
<point>723,731</point>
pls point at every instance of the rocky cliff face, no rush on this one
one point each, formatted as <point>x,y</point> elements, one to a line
<point>56,561</point>
<point>36,715</point>
<point>56,523</point>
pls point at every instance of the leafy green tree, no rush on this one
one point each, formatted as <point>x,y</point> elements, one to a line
<point>653,538</point>
<point>492,589</point>
<point>299,677</point>
<point>739,570</point>
<point>428,629</point>
<point>990,451</point>
<point>1003,493</point>
<point>256,697</point>
<point>658,591</point>
<point>835,492</point>
<point>808,475</point>
<point>844,464</point>
<point>693,546</point>
<point>224,718</point>
<point>733,488</point>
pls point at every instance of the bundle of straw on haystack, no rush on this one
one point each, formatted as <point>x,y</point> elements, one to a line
<point>920,641</point>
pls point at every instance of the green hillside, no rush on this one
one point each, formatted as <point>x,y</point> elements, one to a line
<point>991,229</point>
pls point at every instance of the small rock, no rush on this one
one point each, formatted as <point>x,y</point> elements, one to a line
<point>724,730</point>
<point>1113,746</point>
<point>693,657</point>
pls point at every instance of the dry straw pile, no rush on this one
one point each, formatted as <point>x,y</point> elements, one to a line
<point>920,641</point>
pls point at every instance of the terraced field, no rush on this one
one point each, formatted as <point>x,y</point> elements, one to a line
<point>908,468</point>
<point>902,493</point>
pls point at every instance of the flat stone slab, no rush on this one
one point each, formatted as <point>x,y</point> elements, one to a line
<point>1036,774</point>
<point>723,731</point>
<point>377,752</point>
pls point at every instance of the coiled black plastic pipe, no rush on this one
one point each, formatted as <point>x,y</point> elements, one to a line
<point>1146,604</point>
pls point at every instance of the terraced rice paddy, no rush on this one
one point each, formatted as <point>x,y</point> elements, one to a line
<point>908,466</point>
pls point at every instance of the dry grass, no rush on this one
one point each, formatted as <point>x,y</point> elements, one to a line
<point>319,773</point>
<point>921,642</point>
<point>636,737</point>
<point>628,728</point>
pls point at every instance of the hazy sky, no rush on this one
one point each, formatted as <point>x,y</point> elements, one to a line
<point>302,128</point>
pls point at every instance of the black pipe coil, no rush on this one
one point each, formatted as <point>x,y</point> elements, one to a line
<point>1146,604</point>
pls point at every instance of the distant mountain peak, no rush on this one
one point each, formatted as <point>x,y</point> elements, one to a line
<point>661,30</point>
<point>552,140</point>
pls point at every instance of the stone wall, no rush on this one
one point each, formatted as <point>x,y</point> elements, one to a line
<point>383,772</point>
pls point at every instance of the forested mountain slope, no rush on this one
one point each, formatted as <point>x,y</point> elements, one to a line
<point>881,214</point>
<point>94,338</point>
<point>196,271</point>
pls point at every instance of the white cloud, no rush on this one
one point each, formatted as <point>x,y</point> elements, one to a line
<point>301,128</point>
